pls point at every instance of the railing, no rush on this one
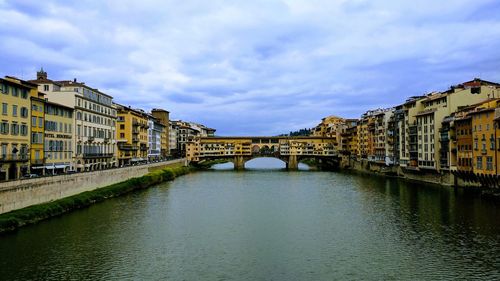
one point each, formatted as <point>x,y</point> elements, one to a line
<point>127,147</point>
<point>97,155</point>
<point>13,157</point>
<point>37,161</point>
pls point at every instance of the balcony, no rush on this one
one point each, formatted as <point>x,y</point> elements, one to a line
<point>91,139</point>
<point>14,157</point>
<point>127,147</point>
<point>97,155</point>
<point>37,161</point>
<point>106,140</point>
<point>413,130</point>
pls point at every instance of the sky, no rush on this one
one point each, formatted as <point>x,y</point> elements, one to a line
<point>260,67</point>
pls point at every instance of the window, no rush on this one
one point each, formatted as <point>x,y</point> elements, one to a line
<point>33,121</point>
<point>45,87</point>
<point>24,130</point>
<point>4,89</point>
<point>24,94</point>
<point>479,162</point>
<point>15,92</point>
<point>37,138</point>
<point>24,112</point>
<point>40,122</point>
<point>4,127</point>
<point>14,110</point>
<point>15,129</point>
<point>4,108</point>
<point>489,163</point>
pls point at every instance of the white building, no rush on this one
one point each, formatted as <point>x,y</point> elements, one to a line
<point>154,138</point>
<point>94,121</point>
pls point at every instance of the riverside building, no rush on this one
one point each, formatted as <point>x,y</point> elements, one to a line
<point>163,118</point>
<point>58,148</point>
<point>132,135</point>
<point>94,126</point>
<point>15,125</point>
<point>37,131</point>
<point>155,137</point>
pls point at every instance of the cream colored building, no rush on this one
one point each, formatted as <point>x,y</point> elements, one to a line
<point>94,143</point>
<point>435,107</point>
<point>58,147</point>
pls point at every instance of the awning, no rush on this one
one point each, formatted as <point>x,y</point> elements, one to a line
<point>61,166</point>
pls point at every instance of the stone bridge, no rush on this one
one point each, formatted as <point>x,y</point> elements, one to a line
<point>239,150</point>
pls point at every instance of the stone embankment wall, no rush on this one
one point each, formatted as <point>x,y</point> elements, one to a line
<point>428,176</point>
<point>23,193</point>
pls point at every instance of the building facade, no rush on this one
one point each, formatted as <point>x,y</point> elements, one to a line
<point>132,135</point>
<point>163,118</point>
<point>59,142</point>
<point>94,121</point>
<point>15,127</point>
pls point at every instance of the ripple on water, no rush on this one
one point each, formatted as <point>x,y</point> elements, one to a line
<point>261,225</point>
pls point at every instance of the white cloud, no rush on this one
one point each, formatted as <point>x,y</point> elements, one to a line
<point>254,66</point>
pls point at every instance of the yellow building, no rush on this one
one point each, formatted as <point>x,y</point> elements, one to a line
<point>58,138</point>
<point>131,135</point>
<point>331,127</point>
<point>484,138</point>
<point>14,127</point>
<point>37,132</point>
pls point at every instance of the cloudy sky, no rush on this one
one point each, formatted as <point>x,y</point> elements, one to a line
<point>259,67</point>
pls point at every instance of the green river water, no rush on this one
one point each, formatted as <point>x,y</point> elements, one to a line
<point>266,225</point>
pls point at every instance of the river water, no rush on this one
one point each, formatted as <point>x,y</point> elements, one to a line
<point>266,225</point>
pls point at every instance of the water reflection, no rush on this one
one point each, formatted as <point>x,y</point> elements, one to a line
<point>266,225</point>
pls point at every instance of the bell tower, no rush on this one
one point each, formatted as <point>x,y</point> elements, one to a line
<point>41,75</point>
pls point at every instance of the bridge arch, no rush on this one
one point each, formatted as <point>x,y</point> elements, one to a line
<point>273,162</point>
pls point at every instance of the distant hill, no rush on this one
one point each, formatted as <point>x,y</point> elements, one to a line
<point>301,132</point>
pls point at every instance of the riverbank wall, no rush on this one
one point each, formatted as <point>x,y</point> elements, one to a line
<point>443,178</point>
<point>157,173</point>
<point>19,194</point>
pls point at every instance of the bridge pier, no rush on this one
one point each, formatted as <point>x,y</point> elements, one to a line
<point>292,164</point>
<point>239,163</point>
